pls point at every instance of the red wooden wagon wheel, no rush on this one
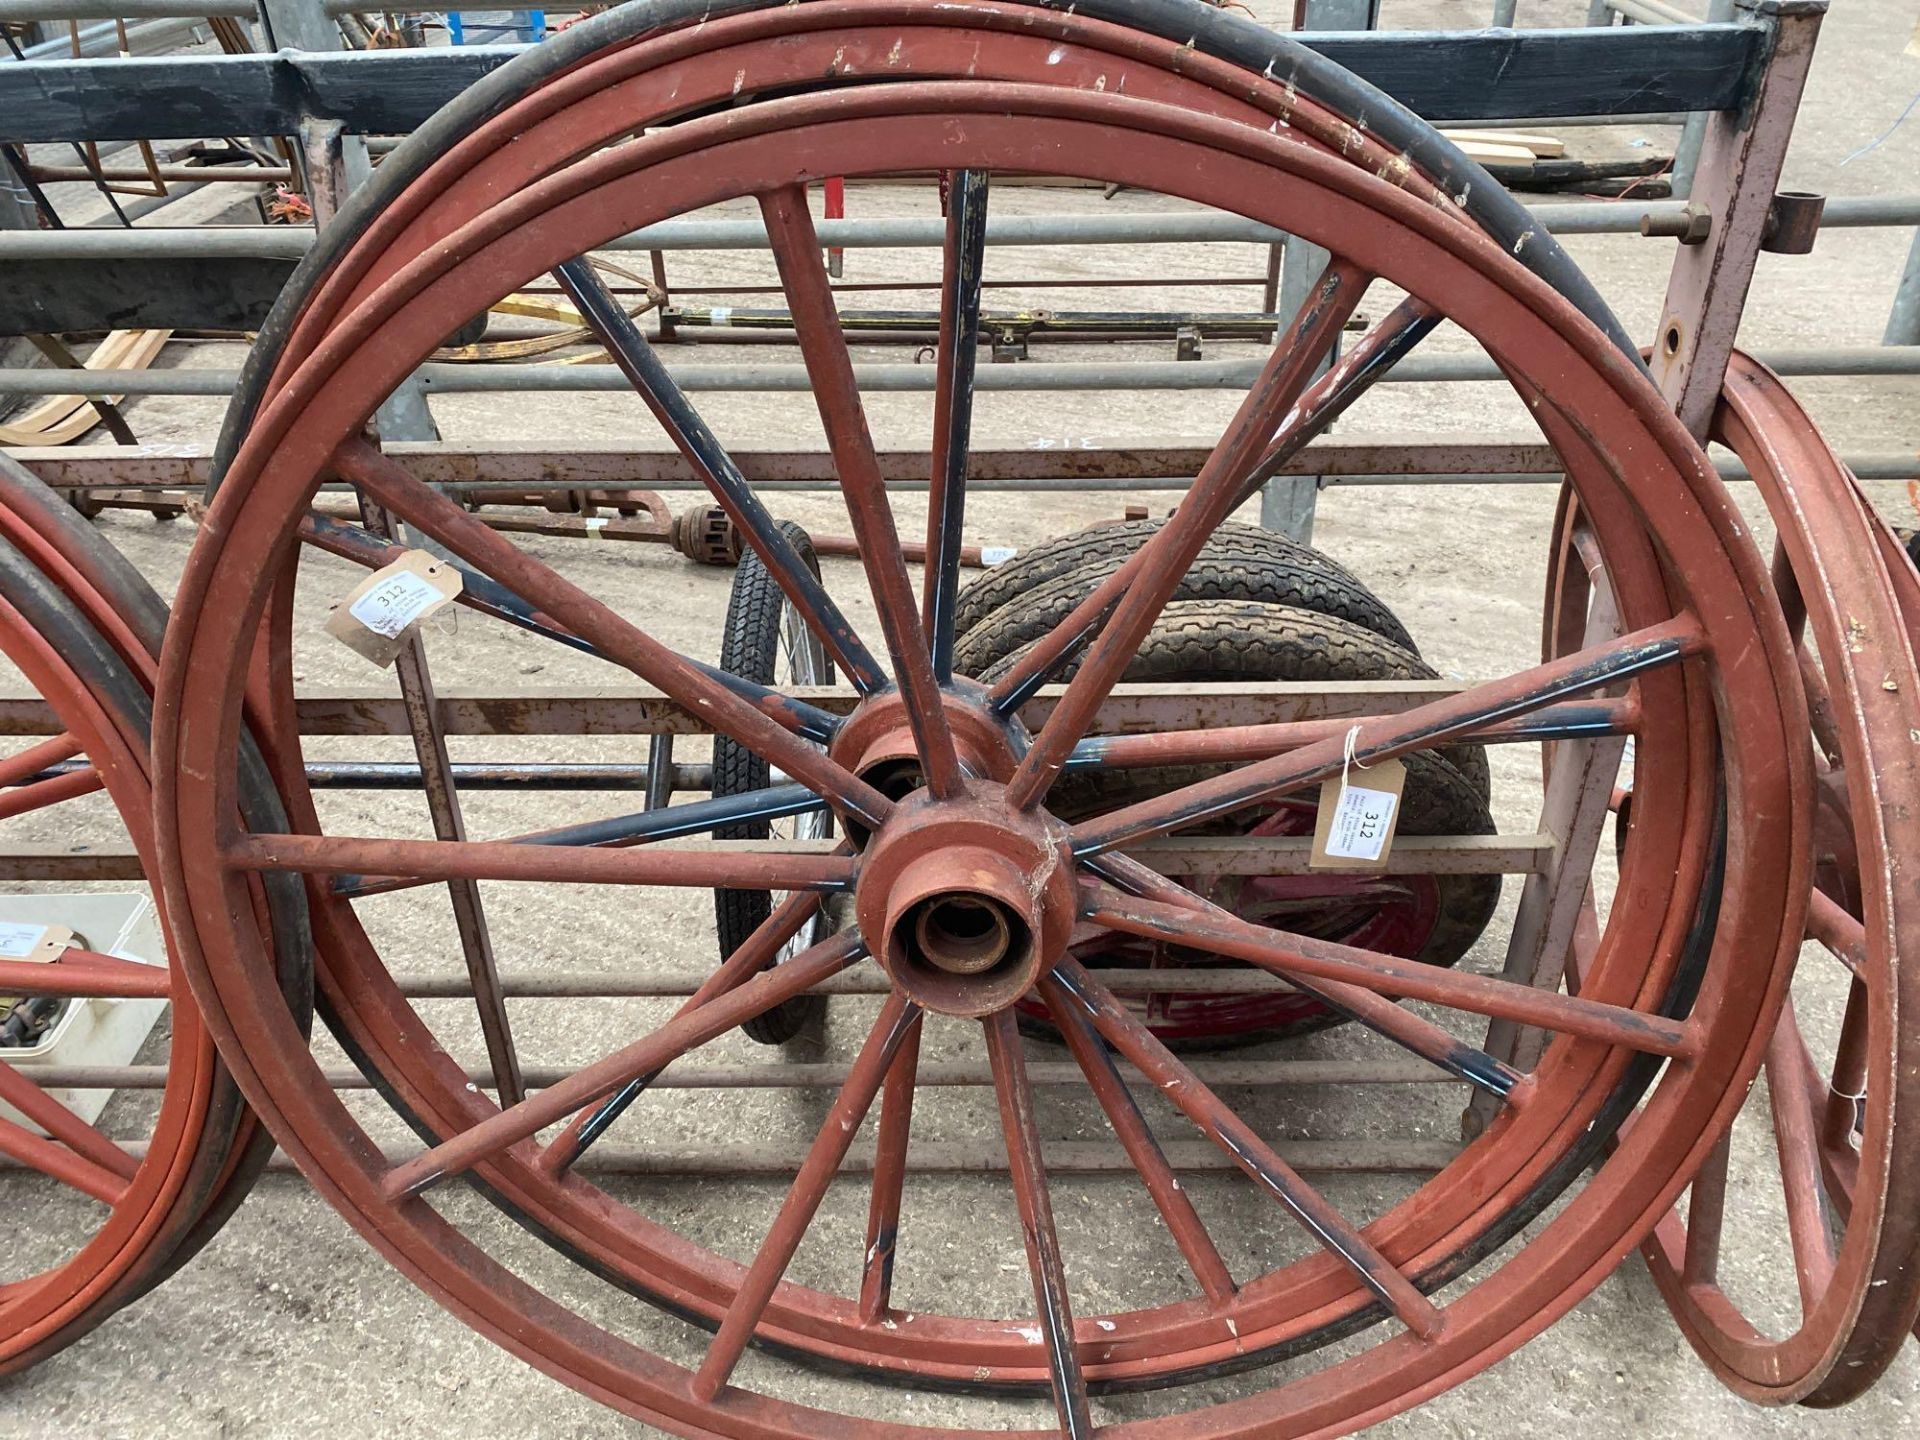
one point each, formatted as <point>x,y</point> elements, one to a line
<point>199,1149</point>
<point>1840,1121</point>
<point>966,888</point>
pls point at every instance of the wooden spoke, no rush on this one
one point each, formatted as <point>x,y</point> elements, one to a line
<point>1843,1115</point>
<point>1168,555</point>
<point>717,471</point>
<point>899,1017</point>
<point>487,596</point>
<point>1035,1203</point>
<point>442,796</point>
<point>1840,934</point>
<point>1706,1213</point>
<point>1288,955</point>
<point>1183,1222</point>
<point>674,822</point>
<point>480,593</point>
<point>1439,722</point>
<point>823,346</point>
<point>1796,1138</point>
<point>39,794</point>
<point>889,1181</point>
<point>42,755</point>
<point>686,1031</point>
<point>962,261</point>
<point>768,732</point>
<point>1569,720</point>
<point>1218,1122</point>
<point>1351,376</point>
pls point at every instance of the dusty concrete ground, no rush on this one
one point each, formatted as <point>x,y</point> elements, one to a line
<point>289,1326</point>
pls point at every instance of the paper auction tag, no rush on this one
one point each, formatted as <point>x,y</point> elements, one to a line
<point>1359,814</point>
<point>39,944</point>
<point>384,609</point>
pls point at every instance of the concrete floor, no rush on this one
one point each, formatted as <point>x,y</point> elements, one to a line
<point>289,1326</point>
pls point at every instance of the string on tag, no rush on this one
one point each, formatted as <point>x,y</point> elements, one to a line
<point>1348,760</point>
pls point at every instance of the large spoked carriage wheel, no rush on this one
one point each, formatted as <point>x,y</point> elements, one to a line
<point>968,888</point>
<point>1838,1117</point>
<point>154,1174</point>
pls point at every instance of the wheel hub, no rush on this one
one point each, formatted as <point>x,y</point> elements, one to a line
<point>965,902</point>
<point>876,741</point>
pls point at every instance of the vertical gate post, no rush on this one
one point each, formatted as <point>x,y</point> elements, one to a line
<point>305,25</point>
<point>1742,153</point>
<point>1287,502</point>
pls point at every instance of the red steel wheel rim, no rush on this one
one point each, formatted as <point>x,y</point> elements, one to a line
<point>135,1241</point>
<point>1859,1299</point>
<point>692,1285</point>
<point>252,520</point>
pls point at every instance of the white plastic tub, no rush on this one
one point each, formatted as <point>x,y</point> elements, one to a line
<point>91,1032</point>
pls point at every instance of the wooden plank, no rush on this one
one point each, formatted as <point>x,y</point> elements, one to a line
<point>1546,146</point>
<point>1455,76</point>
<point>154,292</point>
<point>1492,154</point>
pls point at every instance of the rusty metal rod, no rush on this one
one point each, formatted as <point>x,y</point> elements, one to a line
<point>1079,466</point>
<point>182,174</point>
<point>1090,376</point>
<point>1617,217</point>
<point>1381,1156</point>
<point>946,1074</point>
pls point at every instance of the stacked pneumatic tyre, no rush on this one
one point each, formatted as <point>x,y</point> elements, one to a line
<point>1254,606</point>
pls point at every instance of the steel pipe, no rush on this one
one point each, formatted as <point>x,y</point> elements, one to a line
<point>1233,375</point>
<point>945,1074</point>
<point>21,12</point>
<point>1652,12</point>
<point>1621,217</point>
<point>1386,1155</point>
<point>144,37</point>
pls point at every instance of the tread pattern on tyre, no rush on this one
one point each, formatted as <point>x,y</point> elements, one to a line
<point>1267,565</point>
<point>751,650</point>
<point>1224,640</point>
<point>1203,641</point>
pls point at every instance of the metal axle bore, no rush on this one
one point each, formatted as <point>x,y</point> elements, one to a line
<point>960,930</point>
<point>962,933</point>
